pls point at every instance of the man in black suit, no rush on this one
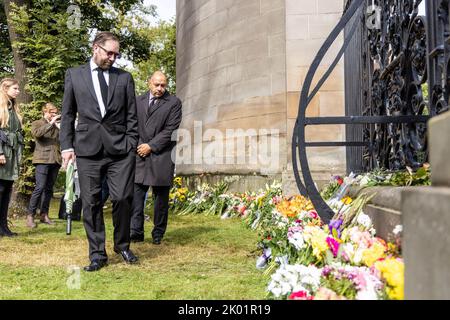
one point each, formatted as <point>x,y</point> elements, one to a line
<point>104,143</point>
<point>159,116</point>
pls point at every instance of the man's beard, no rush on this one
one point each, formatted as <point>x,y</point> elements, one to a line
<point>105,65</point>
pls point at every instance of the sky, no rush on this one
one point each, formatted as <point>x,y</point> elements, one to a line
<point>166,8</point>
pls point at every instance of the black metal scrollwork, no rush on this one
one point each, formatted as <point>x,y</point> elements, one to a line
<point>396,60</point>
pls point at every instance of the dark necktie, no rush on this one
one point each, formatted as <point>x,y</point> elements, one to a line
<point>103,86</point>
<point>151,105</point>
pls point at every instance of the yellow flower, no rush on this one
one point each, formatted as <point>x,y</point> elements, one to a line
<point>373,254</point>
<point>178,181</point>
<point>393,271</point>
<point>182,198</point>
<point>318,240</point>
<point>347,200</point>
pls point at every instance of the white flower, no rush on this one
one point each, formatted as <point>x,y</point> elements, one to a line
<point>293,278</point>
<point>398,229</point>
<point>369,293</point>
<point>282,260</point>
<point>296,239</point>
<point>370,289</point>
<point>225,216</point>
<point>261,263</point>
<point>364,220</point>
<point>348,250</point>
<point>364,181</point>
<point>357,257</point>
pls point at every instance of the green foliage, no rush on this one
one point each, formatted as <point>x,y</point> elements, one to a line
<point>50,45</point>
<point>330,189</point>
<point>425,92</point>
<point>162,56</point>
<point>6,55</point>
<point>343,287</point>
<point>200,258</point>
<point>49,48</point>
<point>405,178</point>
<point>421,177</point>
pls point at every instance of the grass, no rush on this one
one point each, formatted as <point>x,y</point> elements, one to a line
<point>201,258</point>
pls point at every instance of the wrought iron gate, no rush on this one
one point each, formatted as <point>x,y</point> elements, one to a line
<point>390,53</point>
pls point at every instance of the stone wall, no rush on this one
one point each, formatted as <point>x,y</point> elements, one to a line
<point>308,24</point>
<point>240,65</point>
<point>426,222</point>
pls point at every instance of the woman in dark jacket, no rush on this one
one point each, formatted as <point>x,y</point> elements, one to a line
<point>11,146</point>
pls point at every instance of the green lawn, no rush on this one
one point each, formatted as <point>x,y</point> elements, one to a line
<point>200,258</point>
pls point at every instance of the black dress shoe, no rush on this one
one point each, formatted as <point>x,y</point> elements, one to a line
<point>156,241</point>
<point>95,265</point>
<point>137,238</point>
<point>4,231</point>
<point>128,256</point>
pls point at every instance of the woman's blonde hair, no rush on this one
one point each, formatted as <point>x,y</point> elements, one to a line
<point>5,84</point>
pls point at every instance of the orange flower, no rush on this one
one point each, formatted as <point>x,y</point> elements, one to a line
<point>292,207</point>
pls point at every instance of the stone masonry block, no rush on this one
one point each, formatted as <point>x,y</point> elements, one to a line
<point>439,132</point>
<point>426,243</point>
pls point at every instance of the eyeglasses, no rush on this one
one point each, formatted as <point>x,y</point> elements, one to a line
<point>111,53</point>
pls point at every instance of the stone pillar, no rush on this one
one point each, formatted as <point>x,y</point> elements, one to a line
<point>426,222</point>
<point>231,77</point>
<point>240,66</point>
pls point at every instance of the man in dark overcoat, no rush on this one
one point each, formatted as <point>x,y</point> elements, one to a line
<point>159,116</point>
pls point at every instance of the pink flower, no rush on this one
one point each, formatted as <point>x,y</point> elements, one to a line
<point>360,281</point>
<point>241,209</point>
<point>301,295</point>
<point>313,215</point>
<point>334,246</point>
<point>363,239</point>
<point>276,200</point>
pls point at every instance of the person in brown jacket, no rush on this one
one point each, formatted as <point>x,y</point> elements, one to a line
<point>47,159</point>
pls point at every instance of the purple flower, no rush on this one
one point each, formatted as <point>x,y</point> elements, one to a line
<point>336,225</point>
<point>326,271</point>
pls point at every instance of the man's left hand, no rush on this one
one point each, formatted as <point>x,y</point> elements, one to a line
<point>144,150</point>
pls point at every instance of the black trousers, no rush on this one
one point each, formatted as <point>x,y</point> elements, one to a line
<point>5,197</point>
<point>46,175</point>
<point>120,176</point>
<point>160,214</point>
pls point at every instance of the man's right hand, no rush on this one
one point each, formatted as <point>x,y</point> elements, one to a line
<point>55,119</point>
<point>67,156</point>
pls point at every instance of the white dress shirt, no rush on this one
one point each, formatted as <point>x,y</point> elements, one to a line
<point>98,92</point>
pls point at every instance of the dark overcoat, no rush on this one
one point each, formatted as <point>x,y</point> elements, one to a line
<point>156,128</point>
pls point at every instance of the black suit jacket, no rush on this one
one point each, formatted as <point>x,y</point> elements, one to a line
<point>156,129</point>
<point>116,131</point>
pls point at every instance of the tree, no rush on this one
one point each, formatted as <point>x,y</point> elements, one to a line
<point>45,44</point>
<point>20,66</point>
<point>6,61</point>
<point>162,55</point>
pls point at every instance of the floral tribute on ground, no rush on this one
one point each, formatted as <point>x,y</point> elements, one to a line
<point>303,258</point>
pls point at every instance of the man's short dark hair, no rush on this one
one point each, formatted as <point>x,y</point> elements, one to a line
<point>104,36</point>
